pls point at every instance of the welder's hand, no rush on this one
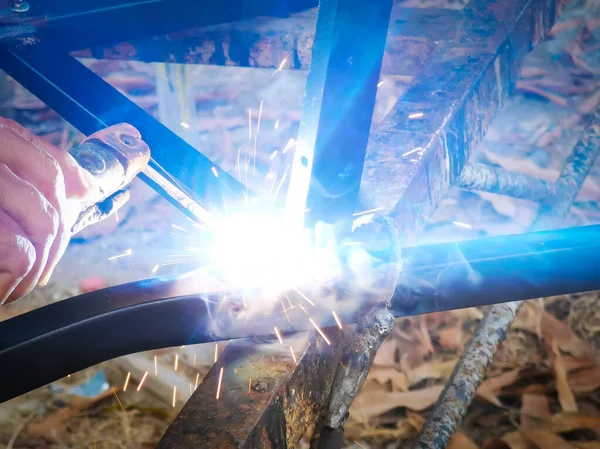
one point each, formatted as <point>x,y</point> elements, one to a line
<point>41,192</point>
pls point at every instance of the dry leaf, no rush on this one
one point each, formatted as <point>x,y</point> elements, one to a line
<point>585,380</point>
<point>51,426</point>
<point>460,441</point>
<point>489,388</point>
<point>377,403</point>
<point>516,440</point>
<point>589,105</point>
<point>567,422</point>
<point>431,370</point>
<point>384,375</point>
<point>531,87</point>
<point>427,346</point>
<point>546,440</point>
<point>586,444</point>
<point>565,395</point>
<point>496,443</point>
<point>577,363</point>
<point>533,406</point>
<point>406,347</point>
<point>565,25</point>
<point>563,335</point>
<point>450,338</point>
<point>532,72</point>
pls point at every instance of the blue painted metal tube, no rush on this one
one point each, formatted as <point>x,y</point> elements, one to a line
<point>50,342</point>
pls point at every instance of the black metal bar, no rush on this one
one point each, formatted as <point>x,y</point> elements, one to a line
<point>83,24</point>
<point>64,337</point>
<point>503,182</point>
<point>90,104</point>
<point>340,94</point>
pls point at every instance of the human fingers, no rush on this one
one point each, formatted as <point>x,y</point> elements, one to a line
<point>18,256</point>
<point>30,162</point>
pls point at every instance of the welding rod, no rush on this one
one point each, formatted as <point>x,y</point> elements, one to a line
<point>48,343</point>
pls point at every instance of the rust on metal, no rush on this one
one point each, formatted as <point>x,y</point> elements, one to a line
<point>357,360</point>
<point>572,176</point>
<point>472,366</point>
<point>468,373</point>
<point>284,398</point>
<point>503,182</point>
<point>277,42</point>
<point>423,144</point>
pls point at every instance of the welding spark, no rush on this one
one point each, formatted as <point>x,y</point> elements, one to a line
<point>117,216</point>
<point>173,225</point>
<point>370,211</point>
<point>277,124</point>
<point>303,309</point>
<point>142,381</point>
<point>249,384</point>
<point>285,312</point>
<point>278,335</point>
<point>271,175</point>
<point>352,243</point>
<point>415,115</point>
<point>337,319</point>
<point>190,389</point>
<point>320,331</point>
<point>126,381</point>
<point>304,296</point>
<point>408,153</point>
<point>118,400</point>
<point>176,361</point>
<point>197,381</point>
<point>462,225</point>
<point>279,68</point>
<point>380,83</point>
<point>220,381</point>
<point>259,116</point>
<point>359,445</point>
<point>250,124</point>
<point>185,125</point>
<point>129,252</point>
<point>293,355</point>
<point>216,352</point>
<point>194,359</point>
<point>155,366</point>
<point>155,268</point>
<point>174,395</point>
<point>215,172</point>
<point>273,154</point>
<point>288,146</point>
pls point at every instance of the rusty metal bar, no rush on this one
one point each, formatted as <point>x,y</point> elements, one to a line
<point>466,377</point>
<point>472,366</point>
<point>265,399</point>
<point>266,42</point>
<point>503,182</point>
<point>572,176</point>
<point>423,144</point>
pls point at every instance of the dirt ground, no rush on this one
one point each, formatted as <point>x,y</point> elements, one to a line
<point>543,389</point>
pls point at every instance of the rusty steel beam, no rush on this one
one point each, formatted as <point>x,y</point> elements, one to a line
<point>421,147</point>
<point>265,399</point>
<point>479,354</point>
<point>266,42</point>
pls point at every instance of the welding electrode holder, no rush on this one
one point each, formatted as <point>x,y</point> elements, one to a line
<point>114,156</point>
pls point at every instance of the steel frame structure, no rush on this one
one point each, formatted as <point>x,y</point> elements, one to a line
<point>463,64</point>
